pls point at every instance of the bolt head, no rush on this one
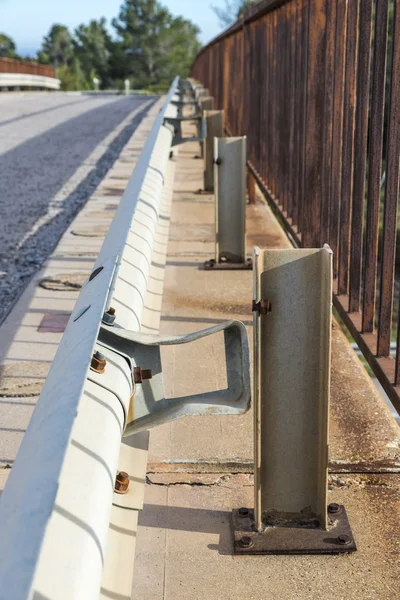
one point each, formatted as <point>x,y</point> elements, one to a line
<point>245,542</point>
<point>243,512</point>
<point>334,508</point>
<point>139,374</point>
<point>121,483</point>
<point>344,540</point>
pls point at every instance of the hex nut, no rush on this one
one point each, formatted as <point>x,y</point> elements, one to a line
<point>243,512</point>
<point>109,316</point>
<point>121,483</point>
<point>246,542</point>
<point>334,508</point>
<point>98,362</point>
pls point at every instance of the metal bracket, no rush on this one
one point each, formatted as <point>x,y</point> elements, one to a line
<point>293,537</point>
<point>176,124</point>
<point>184,102</point>
<point>181,104</point>
<point>149,405</point>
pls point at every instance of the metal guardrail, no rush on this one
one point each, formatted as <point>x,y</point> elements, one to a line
<point>22,80</point>
<point>55,510</point>
<point>307,81</point>
<point>22,73</point>
<point>49,489</point>
<point>11,65</point>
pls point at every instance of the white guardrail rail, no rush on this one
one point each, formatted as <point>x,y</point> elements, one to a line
<point>24,80</point>
<point>59,514</point>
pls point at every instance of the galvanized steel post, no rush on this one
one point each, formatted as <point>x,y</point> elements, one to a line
<point>205,103</point>
<point>230,199</point>
<point>215,128</point>
<point>292,337</point>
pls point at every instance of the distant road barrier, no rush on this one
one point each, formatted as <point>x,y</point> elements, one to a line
<point>20,73</point>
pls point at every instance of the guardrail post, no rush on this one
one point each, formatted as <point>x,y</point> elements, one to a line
<point>230,204</point>
<point>202,92</point>
<point>215,128</point>
<point>292,337</point>
<point>205,103</point>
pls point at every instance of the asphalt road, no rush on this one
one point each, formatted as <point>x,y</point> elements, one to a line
<point>54,151</point>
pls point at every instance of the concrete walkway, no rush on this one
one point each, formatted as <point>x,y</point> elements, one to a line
<point>200,468</point>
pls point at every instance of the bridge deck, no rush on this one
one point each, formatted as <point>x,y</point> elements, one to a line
<point>200,467</point>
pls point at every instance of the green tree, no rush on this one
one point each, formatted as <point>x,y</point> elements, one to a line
<point>57,47</point>
<point>179,44</point>
<point>231,11</point>
<point>7,47</point>
<point>152,44</point>
<point>72,76</point>
<point>93,47</point>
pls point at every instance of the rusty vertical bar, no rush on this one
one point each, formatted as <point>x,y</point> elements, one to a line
<point>266,102</point>
<point>375,164</point>
<point>391,200</point>
<point>246,82</point>
<point>294,162</point>
<point>292,93</point>
<point>298,114</point>
<point>278,101</point>
<point>360,154</point>
<point>348,145</point>
<point>328,120</point>
<point>268,121</point>
<point>284,105</point>
<point>251,188</point>
<point>336,172</point>
<point>315,115</point>
<point>275,100</point>
<point>303,116</point>
<point>285,9</point>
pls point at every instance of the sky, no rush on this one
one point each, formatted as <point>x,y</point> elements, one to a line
<point>27,21</point>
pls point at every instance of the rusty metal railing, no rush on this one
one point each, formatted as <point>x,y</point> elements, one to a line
<point>9,65</point>
<point>315,86</point>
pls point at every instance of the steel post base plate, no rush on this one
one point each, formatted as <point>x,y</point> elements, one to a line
<point>292,539</point>
<point>213,265</point>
